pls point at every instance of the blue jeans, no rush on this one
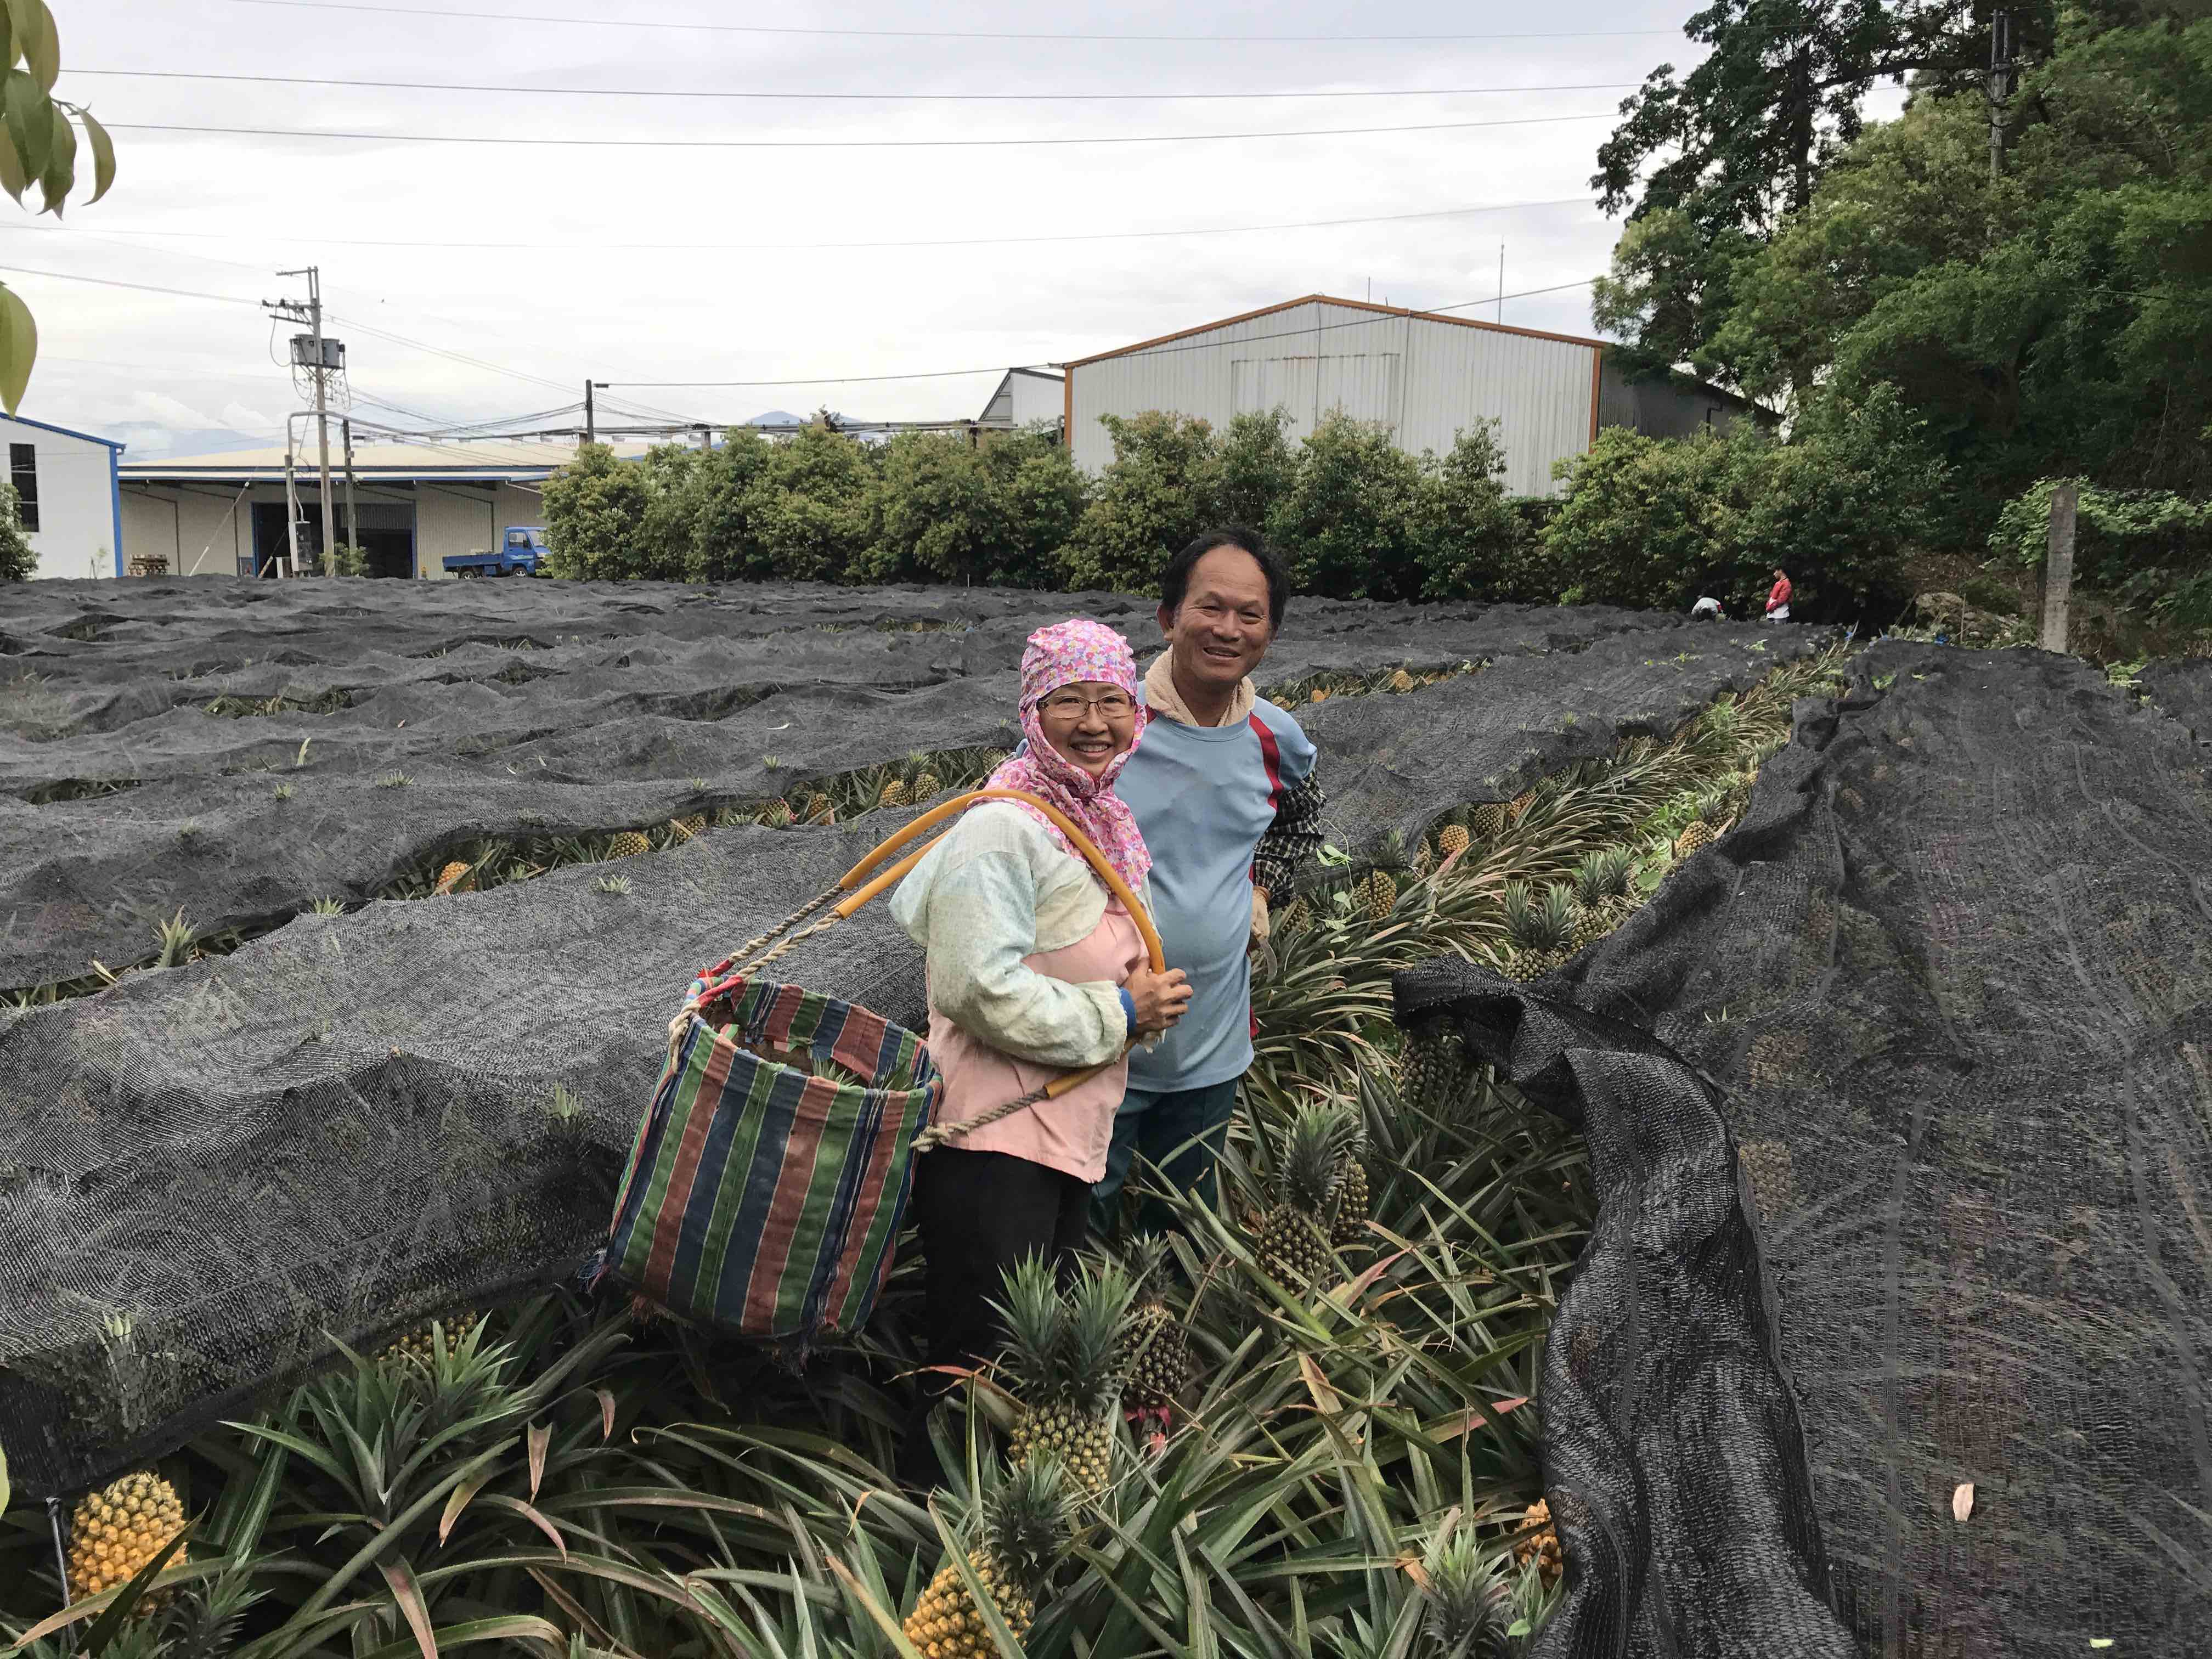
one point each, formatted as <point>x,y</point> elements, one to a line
<point>1180,1132</point>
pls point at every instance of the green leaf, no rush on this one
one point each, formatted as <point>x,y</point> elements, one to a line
<point>409,1595</point>
<point>60,171</point>
<point>37,40</point>
<point>19,347</point>
<point>508,1628</point>
<point>103,158</point>
<point>13,178</point>
<point>29,115</point>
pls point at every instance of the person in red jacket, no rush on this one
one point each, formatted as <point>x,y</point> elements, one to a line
<point>1777,598</point>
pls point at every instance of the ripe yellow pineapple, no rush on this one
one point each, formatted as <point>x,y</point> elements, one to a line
<point>778,815</point>
<point>1026,1527</point>
<point>1401,681</point>
<point>1293,1240</point>
<point>926,785</point>
<point>1298,917</point>
<point>1539,1543</point>
<point>821,810</point>
<point>1429,1065</point>
<point>1452,840</point>
<point>687,828</point>
<point>1522,803</point>
<point>1060,1358</point>
<point>1704,827</point>
<point>116,1531</point>
<point>1320,694</point>
<point>1487,818</point>
<point>458,877</point>
<point>628,845</point>
<point>894,793</point>
<point>1382,895</point>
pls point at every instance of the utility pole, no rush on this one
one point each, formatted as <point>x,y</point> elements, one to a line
<point>353,515</point>
<point>1501,281</point>
<point>319,358</point>
<point>2000,84</point>
<point>591,425</point>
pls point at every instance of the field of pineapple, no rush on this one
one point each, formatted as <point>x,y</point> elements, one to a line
<point>330,1152</point>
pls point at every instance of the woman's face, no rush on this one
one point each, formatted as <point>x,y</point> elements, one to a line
<point>1088,723</point>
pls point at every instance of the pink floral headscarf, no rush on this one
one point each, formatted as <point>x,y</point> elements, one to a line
<point>1061,655</point>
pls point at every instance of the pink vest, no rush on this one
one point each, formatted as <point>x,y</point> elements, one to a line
<point>1072,1133</point>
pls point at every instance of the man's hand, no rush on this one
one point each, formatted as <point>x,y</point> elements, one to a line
<point>1159,999</point>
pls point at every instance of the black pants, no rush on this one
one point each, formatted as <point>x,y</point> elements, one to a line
<point>980,1214</point>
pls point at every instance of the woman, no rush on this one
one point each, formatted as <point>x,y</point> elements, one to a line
<point>1034,969</point>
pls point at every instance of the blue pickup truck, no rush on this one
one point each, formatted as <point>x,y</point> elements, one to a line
<point>521,552</point>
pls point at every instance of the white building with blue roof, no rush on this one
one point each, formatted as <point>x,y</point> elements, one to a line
<point>69,496</point>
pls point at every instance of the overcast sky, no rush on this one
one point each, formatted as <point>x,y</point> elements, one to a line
<point>390,222</point>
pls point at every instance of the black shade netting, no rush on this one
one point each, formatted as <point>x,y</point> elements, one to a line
<point>1927,1149</point>
<point>2182,687</point>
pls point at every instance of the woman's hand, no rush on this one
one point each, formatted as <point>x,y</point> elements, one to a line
<point>1160,998</point>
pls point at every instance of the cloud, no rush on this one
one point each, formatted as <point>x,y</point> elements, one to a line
<point>241,419</point>
<point>160,409</point>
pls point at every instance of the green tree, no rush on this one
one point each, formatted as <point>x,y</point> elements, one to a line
<point>673,476</point>
<point>1350,525</point>
<point>729,485</point>
<point>17,561</point>
<point>595,510</point>
<point>811,514</point>
<point>2056,320</point>
<point>41,148</point>
<point>1046,494</point>
<point>1474,544</point>
<point>940,513</point>
<point>1162,488</point>
<point>1720,155</point>
<point>1258,466</point>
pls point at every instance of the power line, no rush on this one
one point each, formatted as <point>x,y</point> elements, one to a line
<point>1249,339</point>
<point>843,97</point>
<point>842,144</point>
<point>767,248</point>
<point>142,288</point>
<point>926,34</point>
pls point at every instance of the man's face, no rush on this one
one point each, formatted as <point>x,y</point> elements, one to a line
<point>1221,631</point>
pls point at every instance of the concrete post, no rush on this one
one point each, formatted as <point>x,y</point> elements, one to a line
<point>2059,567</point>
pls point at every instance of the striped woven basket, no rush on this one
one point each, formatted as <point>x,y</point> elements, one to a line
<point>761,1198</point>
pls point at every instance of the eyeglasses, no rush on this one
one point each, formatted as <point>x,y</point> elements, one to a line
<point>1072,705</point>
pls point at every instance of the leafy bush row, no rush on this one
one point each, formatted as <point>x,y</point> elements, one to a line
<point>1643,522</point>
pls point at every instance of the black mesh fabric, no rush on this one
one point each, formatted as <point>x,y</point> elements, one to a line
<point>2182,687</point>
<point>1901,1119</point>
<point>346,1124</point>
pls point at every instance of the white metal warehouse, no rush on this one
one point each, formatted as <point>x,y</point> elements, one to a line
<point>1425,376</point>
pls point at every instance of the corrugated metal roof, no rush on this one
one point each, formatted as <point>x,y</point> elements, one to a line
<point>467,458</point>
<point>1330,300</point>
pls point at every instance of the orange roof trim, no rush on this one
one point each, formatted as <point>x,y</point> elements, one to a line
<point>1350,305</point>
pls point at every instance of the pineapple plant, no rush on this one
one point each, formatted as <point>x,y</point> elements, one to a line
<point>1601,887</point>
<point>1026,1527</point>
<point>628,845</point>
<point>1353,1198</point>
<point>821,810</point>
<point>116,1531</point>
<point>926,784</point>
<point>1452,839</point>
<point>687,828</point>
<point>778,815</point>
<point>1538,1541</point>
<point>1521,804</point>
<point>893,793</point>
<point>1061,1357</point>
<point>1380,892</point>
<point>1471,1602</point>
<point>1401,681</point>
<point>1541,931</point>
<point>458,877</point>
<point>1293,1241</point>
<point>1704,827</point>
<point>1487,818</point>
<point>1425,859</point>
<point>1298,917</point>
<point>419,1346</point>
<point>1154,1358</point>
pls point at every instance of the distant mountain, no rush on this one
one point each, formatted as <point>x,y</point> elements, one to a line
<point>785,418</point>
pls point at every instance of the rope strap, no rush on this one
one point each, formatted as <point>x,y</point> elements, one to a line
<point>938,1133</point>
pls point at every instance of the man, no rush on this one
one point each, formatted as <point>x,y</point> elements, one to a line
<point>1222,787</point>
<point>1777,598</point>
<point>1707,609</point>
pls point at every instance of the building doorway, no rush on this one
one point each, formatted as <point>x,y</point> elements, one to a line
<point>385,531</point>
